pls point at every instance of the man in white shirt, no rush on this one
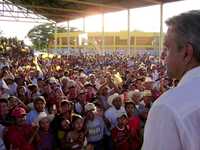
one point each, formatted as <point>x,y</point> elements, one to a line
<point>116,107</point>
<point>174,120</point>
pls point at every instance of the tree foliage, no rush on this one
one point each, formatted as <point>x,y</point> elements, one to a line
<point>41,34</point>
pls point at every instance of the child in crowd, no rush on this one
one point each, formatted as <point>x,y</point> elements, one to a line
<point>39,109</point>
<point>120,134</point>
<point>95,127</point>
<point>45,136</point>
<point>76,137</point>
<point>61,132</point>
<point>134,125</point>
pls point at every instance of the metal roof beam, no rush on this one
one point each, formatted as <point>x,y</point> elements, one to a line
<point>154,1</point>
<point>22,17</point>
<point>95,4</point>
<point>45,14</point>
<point>33,21</point>
<point>54,8</point>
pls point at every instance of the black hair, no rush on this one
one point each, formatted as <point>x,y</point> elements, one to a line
<point>75,117</point>
<point>39,98</point>
<point>65,102</point>
<point>3,100</point>
<point>128,103</point>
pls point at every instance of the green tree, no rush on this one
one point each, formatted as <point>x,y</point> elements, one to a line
<point>41,34</point>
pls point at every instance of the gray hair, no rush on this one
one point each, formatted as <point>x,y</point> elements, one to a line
<point>187,30</point>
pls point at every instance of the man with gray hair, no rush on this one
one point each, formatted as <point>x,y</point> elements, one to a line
<point>174,119</point>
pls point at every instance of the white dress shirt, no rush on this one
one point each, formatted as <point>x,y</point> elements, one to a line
<point>174,120</point>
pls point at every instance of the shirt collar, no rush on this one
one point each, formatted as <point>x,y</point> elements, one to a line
<point>190,75</point>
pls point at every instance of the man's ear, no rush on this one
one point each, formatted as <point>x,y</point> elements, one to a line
<point>188,52</point>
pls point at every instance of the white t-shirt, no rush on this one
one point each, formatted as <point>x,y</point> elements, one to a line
<point>112,113</point>
<point>95,129</point>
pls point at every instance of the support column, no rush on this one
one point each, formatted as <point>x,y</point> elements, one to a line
<point>60,42</point>
<point>129,37</point>
<point>161,29</point>
<point>84,32</point>
<point>114,43</point>
<point>68,36</point>
<point>83,24</point>
<point>135,44</point>
<point>103,34</point>
<point>55,36</point>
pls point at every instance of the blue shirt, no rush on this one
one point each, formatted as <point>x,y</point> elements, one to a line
<point>33,116</point>
<point>95,129</point>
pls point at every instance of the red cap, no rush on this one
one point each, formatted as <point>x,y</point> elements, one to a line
<point>18,112</point>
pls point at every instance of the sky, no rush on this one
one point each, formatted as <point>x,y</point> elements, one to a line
<point>143,19</point>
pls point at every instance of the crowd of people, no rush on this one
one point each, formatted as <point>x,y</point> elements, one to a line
<point>13,47</point>
<point>78,102</point>
<point>101,102</point>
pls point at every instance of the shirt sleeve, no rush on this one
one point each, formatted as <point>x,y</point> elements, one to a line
<point>161,130</point>
<point>28,118</point>
<point>107,115</point>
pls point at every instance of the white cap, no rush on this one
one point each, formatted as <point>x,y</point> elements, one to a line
<point>112,97</point>
<point>89,107</point>
<point>146,93</point>
<point>71,83</point>
<point>82,75</point>
<point>148,79</point>
<point>135,92</point>
<point>121,113</point>
<point>64,78</point>
<point>53,80</point>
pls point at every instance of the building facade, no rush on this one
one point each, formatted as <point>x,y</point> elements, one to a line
<point>107,40</point>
